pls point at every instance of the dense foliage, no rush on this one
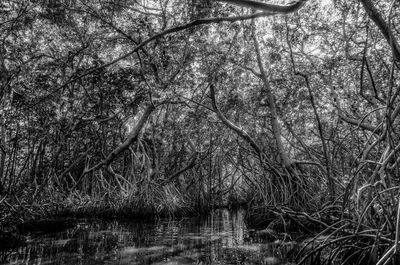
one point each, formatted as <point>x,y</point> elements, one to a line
<point>163,107</point>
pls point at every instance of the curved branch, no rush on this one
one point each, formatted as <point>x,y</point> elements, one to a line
<point>267,10</point>
<point>125,145</point>
<point>151,39</point>
<point>242,133</point>
<point>342,116</point>
<point>384,27</point>
<point>277,9</point>
<point>190,165</point>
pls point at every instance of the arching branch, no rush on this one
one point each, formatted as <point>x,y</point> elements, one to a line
<point>384,27</point>
<point>267,10</point>
<point>190,165</point>
<point>125,145</point>
<point>276,9</point>
<point>242,133</point>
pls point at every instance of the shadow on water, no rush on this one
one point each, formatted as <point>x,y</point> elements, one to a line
<point>220,238</point>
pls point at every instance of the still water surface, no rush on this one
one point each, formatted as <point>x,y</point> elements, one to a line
<point>220,238</point>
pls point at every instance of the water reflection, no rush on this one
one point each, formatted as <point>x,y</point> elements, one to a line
<point>221,238</point>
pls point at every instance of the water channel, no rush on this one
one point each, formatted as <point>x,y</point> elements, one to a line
<point>219,238</point>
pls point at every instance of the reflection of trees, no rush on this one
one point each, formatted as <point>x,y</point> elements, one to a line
<point>217,238</point>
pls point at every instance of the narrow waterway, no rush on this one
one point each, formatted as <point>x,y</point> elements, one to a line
<point>219,238</point>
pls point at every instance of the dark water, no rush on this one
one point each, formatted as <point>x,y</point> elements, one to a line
<point>220,238</point>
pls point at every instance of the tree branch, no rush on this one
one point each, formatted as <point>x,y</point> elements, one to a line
<point>268,10</point>
<point>384,27</point>
<point>190,165</point>
<point>125,145</point>
<point>242,133</point>
<point>278,9</point>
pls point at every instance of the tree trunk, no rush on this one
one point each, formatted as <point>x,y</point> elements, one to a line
<point>276,128</point>
<point>3,104</point>
<point>2,153</point>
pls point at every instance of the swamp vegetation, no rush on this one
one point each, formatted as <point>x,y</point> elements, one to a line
<point>170,108</point>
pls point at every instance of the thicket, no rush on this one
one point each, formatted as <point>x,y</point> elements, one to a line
<point>173,107</point>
